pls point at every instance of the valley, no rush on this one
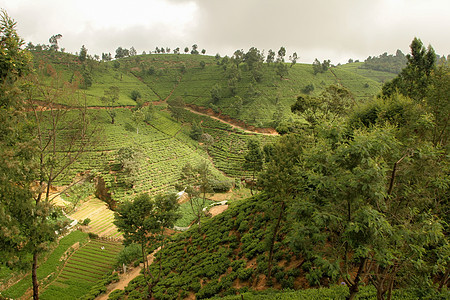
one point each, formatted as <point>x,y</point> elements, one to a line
<point>211,177</point>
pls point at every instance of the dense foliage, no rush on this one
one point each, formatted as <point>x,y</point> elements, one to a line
<point>384,62</point>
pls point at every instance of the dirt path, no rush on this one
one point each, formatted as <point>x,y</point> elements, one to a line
<point>124,279</point>
<point>218,209</point>
<point>229,123</point>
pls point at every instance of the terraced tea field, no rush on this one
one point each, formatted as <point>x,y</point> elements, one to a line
<point>101,218</point>
<point>84,268</point>
<point>91,261</point>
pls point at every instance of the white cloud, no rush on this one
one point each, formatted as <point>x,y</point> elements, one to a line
<point>336,29</point>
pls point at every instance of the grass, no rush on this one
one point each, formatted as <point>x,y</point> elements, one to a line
<point>187,216</point>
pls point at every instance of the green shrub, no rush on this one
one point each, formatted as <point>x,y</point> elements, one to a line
<point>220,186</point>
<point>244,274</point>
<point>129,254</point>
<point>86,222</point>
<point>92,236</point>
<point>116,295</point>
<point>135,95</point>
<point>210,289</point>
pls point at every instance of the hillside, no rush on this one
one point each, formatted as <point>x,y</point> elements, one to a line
<point>349,195</point>
<point>159,77</point>
<point>164,142</point>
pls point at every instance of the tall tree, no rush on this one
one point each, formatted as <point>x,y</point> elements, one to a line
<point>415,79</point>
<point>53,40</point>
<point>82,56</point>
<point>110,99</point>
<point>145,221</point>
<point>281,54</point>
<point>138,117</point>
<point>238,57</point>
<point>254,160</point>
<point>176,107</point>
<point>198,179</point>
<point>62,133</point>
<point>280,181</point>
<point>194,49</point>
<point>133,51</point>
<point>293,59</point>
<point>16,147</point>
<point>270,56</point>
<point>59,137</point>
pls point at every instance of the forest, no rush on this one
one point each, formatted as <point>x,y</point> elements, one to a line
<point>207,177</point>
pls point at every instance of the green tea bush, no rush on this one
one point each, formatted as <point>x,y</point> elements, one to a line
<point>220,186</point>
<point>210,289</point>
<point>116,295</point>
<point>244,274</point>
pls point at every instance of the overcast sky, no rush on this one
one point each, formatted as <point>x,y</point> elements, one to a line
<point>323,29</point>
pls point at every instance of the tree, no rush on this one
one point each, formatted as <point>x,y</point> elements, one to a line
<point>176,107</point>
<point>320,67</point>
<point>83,54</point>
<point>215,93</point>
<point>308,88</point>
<point>55,138</point>
<point>17,146</point>
<point>281,54</point>
<point>203,51</point>
<point>149,112</point>
<point>280,181</point>
<point>129,160</point>
<point>62,135</point>
<point>282,69</point>
<point>122,52</point>
<point>415,79</point>
<point>333,103</point>
<point>270,56</point>
<point>186,50</point>
<point>144,221</point>
<point>293,59</point>
<point>238,57</point>
<point>253,58</point>
<point>198,179</point>
<point>207,140</point>
<point>106,57</point>
<point>110,99</point>
<point>138,117</point>
<point>196,131</point>
<point>194,49</point>
<point>135,95</point>
<point>437,103</point>
<point>133,51</point>
<point>53,40</point>
<point>253,159</point>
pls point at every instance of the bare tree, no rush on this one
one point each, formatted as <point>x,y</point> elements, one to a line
<point>63,132</point>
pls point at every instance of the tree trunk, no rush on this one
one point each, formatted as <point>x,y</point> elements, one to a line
<point>354,288</point>
<point>444,279</point>
<point>144,259</point>
<point>34,277</point>
<point>272,242</point>
<point>149,291</point>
